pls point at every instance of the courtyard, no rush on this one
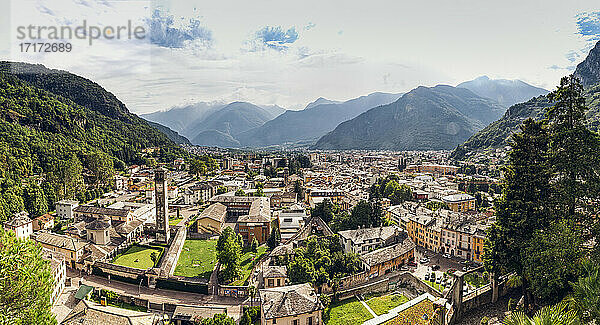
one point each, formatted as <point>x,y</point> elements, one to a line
<point>138,256</point>
<point>197,259</point>
<point>382,304</point>
<point>346,312</point>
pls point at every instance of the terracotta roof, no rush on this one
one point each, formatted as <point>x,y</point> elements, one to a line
<point>289,301</point>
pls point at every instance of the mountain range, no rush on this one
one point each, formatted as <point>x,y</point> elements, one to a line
<point>47,115</point>
<point>210,124</point>
<point>505,92</point>
<point>311,123</point>
<point>495,135</point>
<point>241,124</point>
<point>321,122</point>
<point>439,117</point>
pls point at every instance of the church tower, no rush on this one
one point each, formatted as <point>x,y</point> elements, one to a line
<point>162,206</point>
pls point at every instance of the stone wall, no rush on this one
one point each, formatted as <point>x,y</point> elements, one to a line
<point>385,284</point>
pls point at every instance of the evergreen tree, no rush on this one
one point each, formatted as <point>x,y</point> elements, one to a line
<point>228,255</point>
<point>34,200</point>
<point>552,260</point>
<point>573,152</point>
<point>254,245</point>
<point>520,211</point>
<point>26,282</point>
<point>274,238</point>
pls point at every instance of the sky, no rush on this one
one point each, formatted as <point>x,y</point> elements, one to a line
<point>289,53</point>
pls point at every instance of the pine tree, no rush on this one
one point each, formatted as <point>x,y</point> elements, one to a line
<point>26,282</point>
<point>573,151</point>
<point>520,210</point>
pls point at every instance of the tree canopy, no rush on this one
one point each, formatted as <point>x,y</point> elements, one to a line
<point>26,282</point>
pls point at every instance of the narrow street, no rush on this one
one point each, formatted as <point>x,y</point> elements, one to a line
<point>233,305</point>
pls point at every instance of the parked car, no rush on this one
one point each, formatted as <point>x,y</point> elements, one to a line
<point>446,255</point>
<point>426,276</point>
<point>424,260</point>
<point>451,270</point>
<point>404,268</point>
<point>435,267</point>
<point>465,268</point>
<point>411,263</point>
<point>438,280</point>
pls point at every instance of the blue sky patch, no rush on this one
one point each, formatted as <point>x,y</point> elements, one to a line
<point>588,25</point>
<point>166,32</point>
<point>276,37</point>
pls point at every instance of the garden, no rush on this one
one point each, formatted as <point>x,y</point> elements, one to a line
<point>421,313</point>
<point>346,312</point>
<point>383,304</point>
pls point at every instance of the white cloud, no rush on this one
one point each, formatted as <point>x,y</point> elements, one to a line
<point>208,52</point>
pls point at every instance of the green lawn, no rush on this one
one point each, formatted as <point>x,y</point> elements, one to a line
<point>347,312</point>
<point>246,264</point>
<point>138,257</point>
<point>383,304</point>
<point>197,258</point>
<point>174,221</point>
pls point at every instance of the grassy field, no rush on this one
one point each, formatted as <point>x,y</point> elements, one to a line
<point>383,304</point>
<point>246,264</point>
<point>414,315</point>
<point>174,221</point>
<point>347,312</point>
<point>197,258</point>
<point>138,257</point>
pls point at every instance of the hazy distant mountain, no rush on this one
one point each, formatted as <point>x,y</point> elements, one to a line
<point>423,119</point>
<point>497,133</point>
<point>180,118</point>
<point>311,123</point>
<point>215,138</point>
<point>172,135</point>
<point>506,92</point>
<point>321,101</point>
<point>231,120</point>
<point>274,110</point>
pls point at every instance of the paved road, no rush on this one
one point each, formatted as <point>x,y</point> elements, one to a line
<point>164,296</point>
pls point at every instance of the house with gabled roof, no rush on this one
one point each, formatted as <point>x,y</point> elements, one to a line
<point>294,305</point>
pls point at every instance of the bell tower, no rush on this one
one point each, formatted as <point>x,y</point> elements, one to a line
<point>162,206</point>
